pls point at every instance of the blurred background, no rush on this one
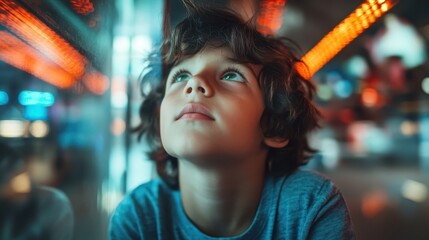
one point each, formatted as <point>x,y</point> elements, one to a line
<point>69,96</point>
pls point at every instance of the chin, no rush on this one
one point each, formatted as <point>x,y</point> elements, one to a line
<point>190,150</point>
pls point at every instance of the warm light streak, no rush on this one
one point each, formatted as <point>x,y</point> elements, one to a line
<point>270,16</point>
<point>347,30</point>
<point>37,34</point>
<point>83,7</point>
<point>96,82</point>
<point>18,54</point>
<point>50,57</point>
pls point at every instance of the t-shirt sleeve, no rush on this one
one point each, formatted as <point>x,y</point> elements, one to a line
<point>331,219</point>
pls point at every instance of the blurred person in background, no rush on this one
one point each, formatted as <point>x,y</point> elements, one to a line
<point>28,211</point>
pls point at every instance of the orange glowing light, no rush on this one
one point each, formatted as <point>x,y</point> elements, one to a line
<point>37,34</point>
<point>96,82</point>
<point>370,97</point>
<point>373,204</point>
<point>342,34</point>
<point>270,16</point>
<point>50,57</point>
<point>83,7</point>
<point>18,54</point>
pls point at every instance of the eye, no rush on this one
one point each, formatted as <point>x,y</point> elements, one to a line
<point>180,76</point>
<point>233,75</point>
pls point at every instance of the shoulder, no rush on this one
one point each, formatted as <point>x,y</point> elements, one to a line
<point>306,192</point>
<point>53,199</point>
<point>314,205</point>
<point>305,183</point>
<point>140,208</point>
<point>57,212</point>
<point>52,195</point>
<point>144,197</point>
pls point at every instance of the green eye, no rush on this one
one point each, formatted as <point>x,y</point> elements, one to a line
<point>181,76</point>
<point>233,76</point>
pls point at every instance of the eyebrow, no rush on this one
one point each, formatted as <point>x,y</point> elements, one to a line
<point>230,60</point>
<point>247,65</point>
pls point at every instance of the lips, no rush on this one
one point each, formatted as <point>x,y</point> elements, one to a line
<point>195,111</point>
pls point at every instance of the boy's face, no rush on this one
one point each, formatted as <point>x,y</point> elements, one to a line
<point>212,108</point>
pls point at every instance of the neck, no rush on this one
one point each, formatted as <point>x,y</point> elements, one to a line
<point>222,201</point>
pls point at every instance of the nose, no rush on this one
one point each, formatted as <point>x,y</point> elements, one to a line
<point>197,85</point>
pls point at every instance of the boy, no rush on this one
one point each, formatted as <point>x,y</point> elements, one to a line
<point>228,127</point>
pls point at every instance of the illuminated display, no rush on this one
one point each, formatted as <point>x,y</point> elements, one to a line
<point>342,34</point>
<point>4,98</point>
<point>27,98</point>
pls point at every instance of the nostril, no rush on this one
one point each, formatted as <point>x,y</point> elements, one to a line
<point>189,90</point>
<point>202,90</point>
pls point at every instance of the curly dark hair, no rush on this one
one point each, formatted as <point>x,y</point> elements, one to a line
<point>289,112</point>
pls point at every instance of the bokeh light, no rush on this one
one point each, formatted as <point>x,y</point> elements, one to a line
<point>343,88</point>
<point>12,128</point>
<point>414,191</point>
<point>373,203</point>
<point>21,183</point>
<point>39,129</point>
<point>4,98</point>
<point>409,128</point>
<point>118,126</point>
<point>425,85</point>
<point>324,92</point>
<point>330,153</point>
<point>370,97</point>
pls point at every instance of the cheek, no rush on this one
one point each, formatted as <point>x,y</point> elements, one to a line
<point>244,119</point>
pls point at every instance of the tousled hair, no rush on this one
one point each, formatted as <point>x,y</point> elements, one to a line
<point>289,112</point>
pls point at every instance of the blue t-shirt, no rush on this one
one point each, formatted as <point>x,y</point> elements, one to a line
<point>302,205</point>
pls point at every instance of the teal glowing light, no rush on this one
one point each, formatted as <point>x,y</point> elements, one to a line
<point>35,112</point>
<point>343,89</point>
<point>28,98</point>
<point>4,98</point>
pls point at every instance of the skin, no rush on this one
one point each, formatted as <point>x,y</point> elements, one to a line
<point>221,153</point>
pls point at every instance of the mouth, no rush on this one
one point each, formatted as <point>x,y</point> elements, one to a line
<point>194,111</point>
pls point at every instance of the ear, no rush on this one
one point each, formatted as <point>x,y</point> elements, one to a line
<point>276,142</point>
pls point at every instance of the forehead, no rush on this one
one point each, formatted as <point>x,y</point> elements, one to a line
<point>208,54</point>
<point>218,56</point>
